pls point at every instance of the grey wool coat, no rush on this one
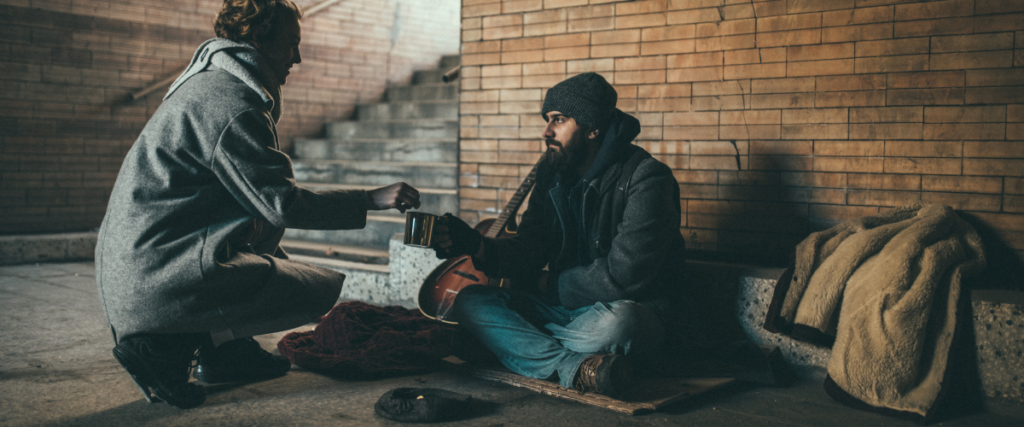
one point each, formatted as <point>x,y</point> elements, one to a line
<point>189,243</point>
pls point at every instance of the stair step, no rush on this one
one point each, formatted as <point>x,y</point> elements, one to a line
<point>374,236</point>
<point>424,128</point>
<point>379,150</point>
<point>423,92</point>
<point>433,200</point>
<point>335,252</point>
<point>428,76</point>
<point>405,110</point>
<point>449,61</point>
<point>435,175</point>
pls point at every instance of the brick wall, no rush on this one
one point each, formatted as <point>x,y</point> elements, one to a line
<point>779,118</point>
<point>67,67</point>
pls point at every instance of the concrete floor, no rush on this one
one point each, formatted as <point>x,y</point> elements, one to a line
<point>57,369</point>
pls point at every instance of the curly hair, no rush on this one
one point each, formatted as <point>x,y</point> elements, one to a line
<point>252,20</point>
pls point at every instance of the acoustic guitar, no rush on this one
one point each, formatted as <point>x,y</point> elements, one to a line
<point>439,289</point>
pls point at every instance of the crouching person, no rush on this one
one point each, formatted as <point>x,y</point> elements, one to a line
<point>188,259</point>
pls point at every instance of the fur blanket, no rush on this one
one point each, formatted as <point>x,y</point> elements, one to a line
<point>884,289</point>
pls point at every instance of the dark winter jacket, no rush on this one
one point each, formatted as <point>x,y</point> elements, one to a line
<point>644,261</point>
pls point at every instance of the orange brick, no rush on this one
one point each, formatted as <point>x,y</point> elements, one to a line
<point>886,131</point>
<point>470,11</point>
<point>994,167</point>
<point>962,184</point>
<point>481,47</point>
<point>695,60</point>
<point>640,7</point>
<point>480,96</point>
<point>513,6</point>
<point>747,118</point>
<point>731,87</point>
<point>862,98</point>
<point>854,33</point>
<point>587,65</point>
<point>994,149</point>
<point>893,47</point>
<point>1015,131</point>
<point>788,38</point>
<point>691,119</point>
<point>993,95</point>
<point>640,77</point>
<point>519,95</point>
<point>786,85</point>
<point>770,8</point>
<point>694,74</point>
<point>567,53</point>
<point>593,11</point>
<point>557,67</point>
<point>743,41</point>
<point>847,164</point>
<point>531,43</point>
<point>472,35</point>
<point>815,116</point>
<point>887,115</point>
<point>692,16</point>
<point>941,96</point>
<point>983,114</point>
<point>882,198</point>
<point>853,82</point>
<point>789,22</point>
<point>779,101</point>
<point>749,131</point>
<point>501,82</point>
<point>820,68</point>
<point>849,148</point>
<point>501,70</point>
<point>754,71</point>
<point>966,60</point>
<point>935,9</point>
<point>997,6</point>
<point>640,63</point>
<point>1013,186</point>
<point>691,132</point>
<point>667,47</point>
<point>820,52</point>
<point>640,21</point>
<point>542,81</point>
<point>558,4</point>
<point>735,27</point>
<point>971,43</point>
<point>544,29</point>
<point>961,131</point>
<point>1007,77</point>
<point>815,131</point>
<point>593,24</point>
<point>472,23</point>
<point>923,148</point>
<point>1005,22</point>
<point>524,56</point>
<point>1015,113</point>
<point>746,56</point>
<point>664,91</point>
<point>615,37</point>
<point>499,121</point>
<point>920,165</point>
<point>935,79</point>
<point>861,15</point>
<point>884,182</point>
<point>614,50</point>
<point>674,32</point>
<point>890,64</point>
<point>502,21</point>
<point>932,27</point>
<point>737,11</point>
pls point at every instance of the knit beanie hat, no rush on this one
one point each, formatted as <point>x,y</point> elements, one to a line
<point>587,98</point>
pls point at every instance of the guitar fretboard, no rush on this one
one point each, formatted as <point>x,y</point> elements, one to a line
<point>513,205</point>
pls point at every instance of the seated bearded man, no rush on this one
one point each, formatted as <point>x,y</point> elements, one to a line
<point>604,219</point>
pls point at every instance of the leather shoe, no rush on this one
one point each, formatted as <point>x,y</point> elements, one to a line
<point>607,374</point>
<point>241,360</point>
<point>161,369</point>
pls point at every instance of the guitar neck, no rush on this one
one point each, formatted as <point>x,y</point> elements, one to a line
<point>513,205</point>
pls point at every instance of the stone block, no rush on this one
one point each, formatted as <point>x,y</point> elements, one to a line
<point>999,336</point>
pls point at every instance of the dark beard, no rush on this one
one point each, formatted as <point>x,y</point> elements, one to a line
<point>572,155</point>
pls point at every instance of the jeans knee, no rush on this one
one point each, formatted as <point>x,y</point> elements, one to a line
<point>620,323</point>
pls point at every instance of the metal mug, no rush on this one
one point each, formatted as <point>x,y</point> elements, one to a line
<point>419,229</point>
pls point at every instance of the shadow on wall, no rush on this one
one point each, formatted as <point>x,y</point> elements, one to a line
<point>1004,268</point>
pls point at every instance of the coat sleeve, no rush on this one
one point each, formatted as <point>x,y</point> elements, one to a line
<point>639,252</point>
<point>261,179</point>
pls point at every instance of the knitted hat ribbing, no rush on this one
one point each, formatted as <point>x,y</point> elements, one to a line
<point>587,98</point>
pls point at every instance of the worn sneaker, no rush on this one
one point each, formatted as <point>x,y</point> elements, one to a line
<point>241,360</point>
<point>160,369</point>
<point>607,374</point>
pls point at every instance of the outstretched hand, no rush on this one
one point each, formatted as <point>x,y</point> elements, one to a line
<point>399,195</point>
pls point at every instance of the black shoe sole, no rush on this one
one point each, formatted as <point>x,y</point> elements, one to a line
<point>146,379</point>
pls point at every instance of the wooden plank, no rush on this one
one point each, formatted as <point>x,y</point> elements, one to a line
<point>648,395</point>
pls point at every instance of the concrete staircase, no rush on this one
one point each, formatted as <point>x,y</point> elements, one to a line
<point>412,136</point>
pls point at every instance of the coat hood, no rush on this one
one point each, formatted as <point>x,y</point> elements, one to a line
<point>622,129</point>
<point>241,60</point>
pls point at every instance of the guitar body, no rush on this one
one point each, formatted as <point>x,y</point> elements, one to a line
<point>438,292</point>
<point>439,289</point>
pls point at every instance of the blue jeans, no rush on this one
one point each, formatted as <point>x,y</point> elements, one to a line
<point>540,340</point>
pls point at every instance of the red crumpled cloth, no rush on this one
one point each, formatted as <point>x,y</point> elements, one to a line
<point>356,340</point>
